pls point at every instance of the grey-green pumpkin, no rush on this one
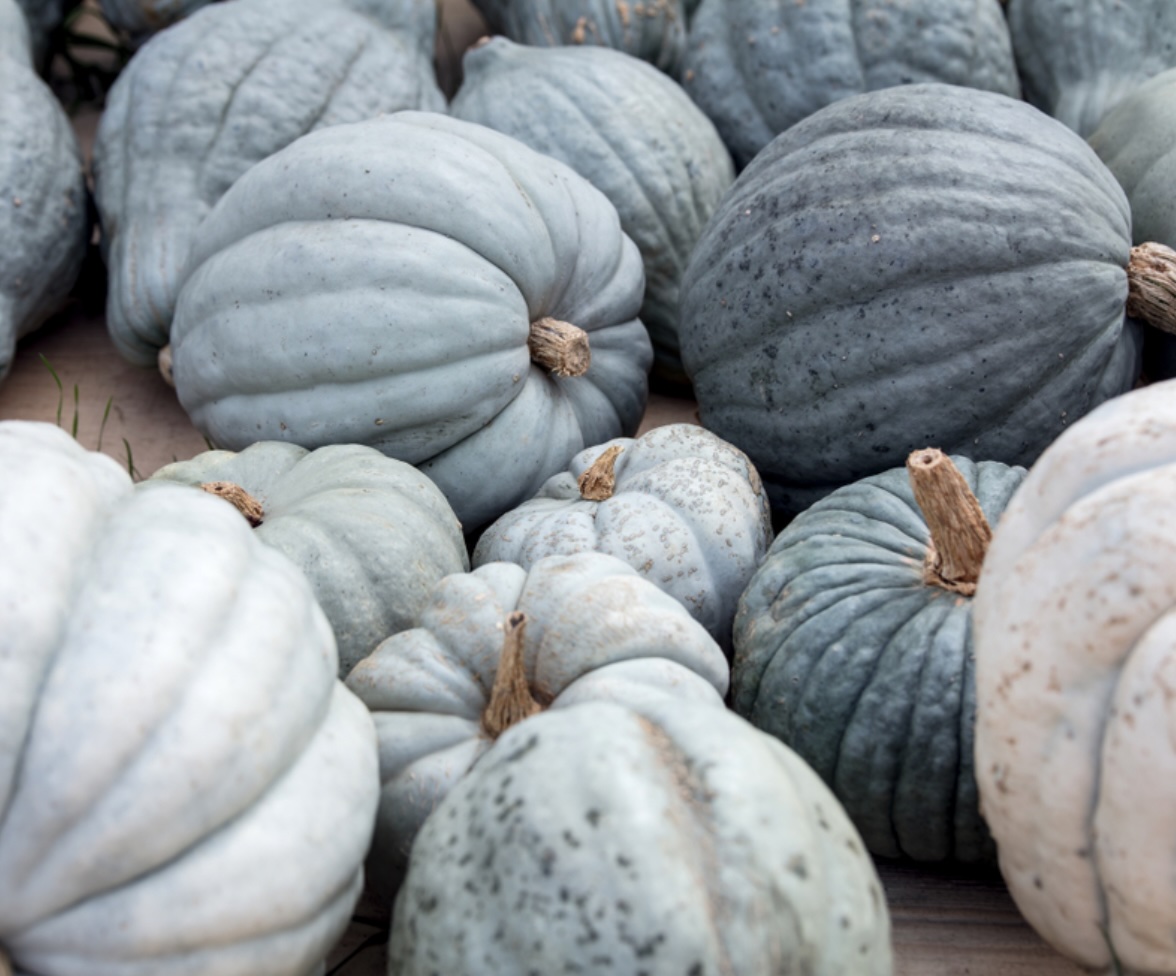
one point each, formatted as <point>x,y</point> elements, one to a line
<point>372,534</point>
<point>1078,58</point>
<point>681,506</point>
<point>631,131</point>
<point>425,286</point>
<point>247,78</point>
<point>671,838</point>
<point>43,220</point>
<point>494,647</point>
<point>925,264</point>
<point>757,67</point>
<point>853,646</point>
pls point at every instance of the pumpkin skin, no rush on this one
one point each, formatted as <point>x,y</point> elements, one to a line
<point>757,67</point>
<point>372,534</point>
<point>15,38</point>
<point>594,630</point>
<point>675,837</point>
<point>665,174</point>
<point>845,653</point>
<point>1078,58</point>
<point>687,511</point>
<point>43,221</point>
<point>1074,668</point>
<point>186,786</point>
<point>248,78</point>
<point>654,32</point>
<point>830,332</point>
<point>388,302</point>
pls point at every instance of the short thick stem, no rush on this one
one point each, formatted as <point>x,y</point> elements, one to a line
<point>960,533</point>
<point>598,483</point>
<point>239,498</point>
<point>559,347</point>
<point>511,700</point>
<point>164,361</point>
<point>1151,286</point>
<point>5,963</point>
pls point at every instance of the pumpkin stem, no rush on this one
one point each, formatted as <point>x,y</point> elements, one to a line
<point>5,964</point>
<point>1151,285</point>
<point>598,483</point>
<point>960,533</point>
<point>164,361</point>
<point>511,700</point>
<point>239,498</point>
<point>560,347</point>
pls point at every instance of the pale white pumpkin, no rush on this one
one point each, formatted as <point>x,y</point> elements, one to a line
<point>1075,630</point>
<point>185,787</point>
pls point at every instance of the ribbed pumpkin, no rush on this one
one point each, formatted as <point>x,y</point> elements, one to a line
<point>424,286</point>
<point>1078,58</point>
<point>247,78</point>
<point>926,264</point>
<point>1075,621</point>
<point>185,786</point>
<point>496,646</point>
<point>372,534</point>
<point>757,67</point>
<point>672,838</point>
<point>631,132</point>
<point>853,646</point>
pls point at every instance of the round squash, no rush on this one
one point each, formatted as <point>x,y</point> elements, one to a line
<point>634,135</point>
<point>1075,621</point>
<point>372,534</point>
<point>671,838</point>
<point>247,78</point>
<point>853,646</point>
<point>1078,58</point>
<point>926,264</point>
<point>757,67</point>
<point>678,504</point>
<point>425,286</point>
<point>185,785</point>
<point>496,646</point>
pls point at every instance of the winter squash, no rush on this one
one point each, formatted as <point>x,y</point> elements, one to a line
<point>433,289</point>
<point>1075,667</point>
<point>853,646</point>
<point>43,221</point>
<point>372,534</point>
<point>925,264</point>
<point>247,78</point>
<point>665,173</point>
<point>653,31</point>
<point>757,67</point>
<point>667,838</point>
<point>678,504</point>
<point>186,785</point>
<point>498,645</point>
<point>1078,58</point>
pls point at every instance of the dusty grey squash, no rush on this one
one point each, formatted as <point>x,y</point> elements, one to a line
<point>248,78</point>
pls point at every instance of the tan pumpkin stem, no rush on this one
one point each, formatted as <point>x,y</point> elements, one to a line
<point>1151,285</point>
<point>239,498</point>
<point>960,533</point>
<point>560,347</point>
<point>164,361</point>
<point>598,483</point>
<point>5,964</point>
<point>511,700</point>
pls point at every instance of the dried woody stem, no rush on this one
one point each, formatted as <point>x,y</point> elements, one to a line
<point>598,483</point>
<point>960,533</point>
<point>560,347</point>
<point>239,498</point>
<point>1151,285</point>
<point>511,700</point>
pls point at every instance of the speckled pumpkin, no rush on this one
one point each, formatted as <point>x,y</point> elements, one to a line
<point>671,839</point>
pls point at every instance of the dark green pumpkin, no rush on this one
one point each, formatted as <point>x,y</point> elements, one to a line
<point>1078,58</point>
<point>758,66</point>
<point>927,264</point>
<point>846,652</point>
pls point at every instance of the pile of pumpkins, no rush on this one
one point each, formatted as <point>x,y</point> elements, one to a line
<point>432,619</point>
